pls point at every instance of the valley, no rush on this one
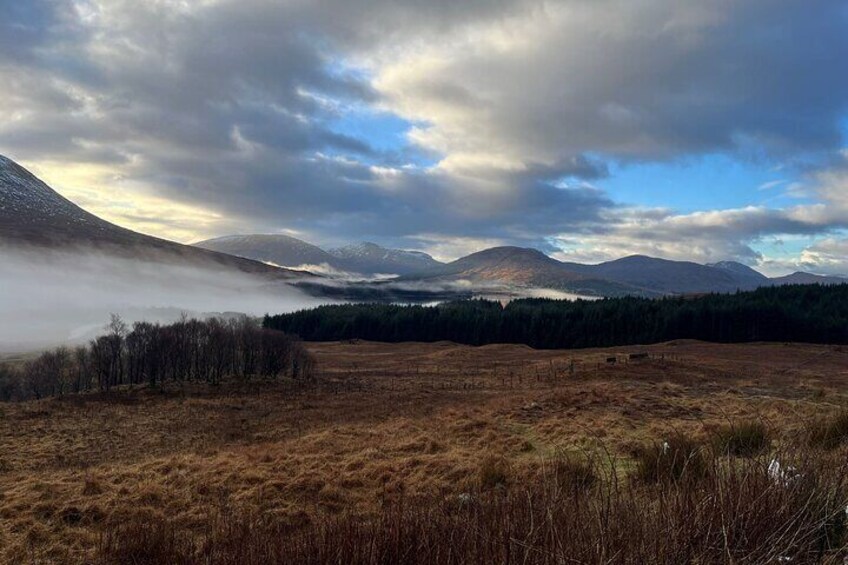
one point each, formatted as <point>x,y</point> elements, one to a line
<point>514,282</point>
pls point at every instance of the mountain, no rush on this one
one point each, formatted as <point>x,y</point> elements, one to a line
<point>372,259</point>
<point>522,267</point>
<point>278,249</point>
<point>807,278</point>
<point>662,275</point>
<point>635,275</point>
<point>367,259</point>
<point>34,215</point>
<point>747,277</point>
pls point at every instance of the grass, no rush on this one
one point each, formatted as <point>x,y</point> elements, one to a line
<point>744,439</point>
<point>736,514</point>
<point>679,458</point>
<point>386,431</point>
<point>830,432</point>
<point>572,472</point>
<point>494,472</point>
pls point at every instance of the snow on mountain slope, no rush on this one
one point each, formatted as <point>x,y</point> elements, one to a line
<point>278,249</point>
<point>371,258</point>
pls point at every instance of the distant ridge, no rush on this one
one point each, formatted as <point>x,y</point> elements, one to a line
<point>367,259</point>
<point>637,275</point>
<point>279,249</point>
<point>742,273</point>
<point>506,268</point>
<point>523,267</point>
<point>374,259</point>
<point>808,278</point>
<point>663,275</point>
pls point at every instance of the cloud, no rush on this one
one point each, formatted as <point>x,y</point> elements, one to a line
<point>632,80</point>
<point>710,236</point>
<point>194,119</point>
<point>828,256</point>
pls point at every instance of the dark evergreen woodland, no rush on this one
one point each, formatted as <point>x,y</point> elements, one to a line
<point>802,313</point>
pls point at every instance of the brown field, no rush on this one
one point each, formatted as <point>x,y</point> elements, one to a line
<point>384,421</point>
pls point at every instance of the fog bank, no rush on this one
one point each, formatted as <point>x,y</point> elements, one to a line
<point>52,297</point>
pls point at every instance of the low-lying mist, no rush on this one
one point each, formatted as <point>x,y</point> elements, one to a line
<point>53,297</point>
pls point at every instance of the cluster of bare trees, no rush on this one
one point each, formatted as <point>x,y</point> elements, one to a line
<point>188,350</point>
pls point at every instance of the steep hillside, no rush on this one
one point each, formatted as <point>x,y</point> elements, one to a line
<point>34,215</point>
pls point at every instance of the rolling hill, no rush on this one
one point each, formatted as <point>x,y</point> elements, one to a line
<point>635,275</point>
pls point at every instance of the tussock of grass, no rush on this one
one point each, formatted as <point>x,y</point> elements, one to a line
<point>831,432</point>
<point>745,439</point>
<point>494,472</point>
<point>679,458</point>
<point>574,473</point>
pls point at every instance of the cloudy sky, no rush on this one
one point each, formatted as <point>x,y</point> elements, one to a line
<point>590,129</point>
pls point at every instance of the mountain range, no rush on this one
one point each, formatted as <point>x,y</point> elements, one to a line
<point>506,268</point>
<point>34,215</point>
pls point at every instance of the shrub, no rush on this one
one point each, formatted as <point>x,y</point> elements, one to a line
<point>745,439</point>
<point>679,458</point>
<point>830,432</point>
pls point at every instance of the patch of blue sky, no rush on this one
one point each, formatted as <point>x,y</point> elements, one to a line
<point>385,133</point>
<point>707,182</point>
<point>382,131</point>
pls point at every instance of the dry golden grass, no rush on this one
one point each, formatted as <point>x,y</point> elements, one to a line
<point>385,421</point>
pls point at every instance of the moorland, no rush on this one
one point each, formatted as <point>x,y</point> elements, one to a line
<point>415,451</point>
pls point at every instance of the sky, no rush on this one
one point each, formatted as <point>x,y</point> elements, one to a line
<point>589,129</point>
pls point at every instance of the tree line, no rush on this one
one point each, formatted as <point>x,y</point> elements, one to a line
<point>802,313</point>
<point>187,350</point>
